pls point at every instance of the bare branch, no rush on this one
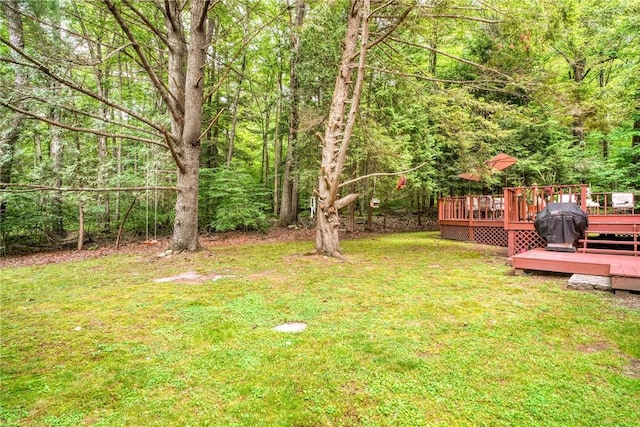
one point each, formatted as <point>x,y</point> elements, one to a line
<point>215,119</point>
<point>174,153</point>
<point>78,129</point>
<point>90,115</point>
<point>344,201</point>
<point>371,175</point>
<point>30,188</point>
<point>157,83</point>
<point>429,79</point>
<point>382,6</point>
<point>392,28</point>
<point>148,23</point>
<point>464,17</point>
<point>46,70</point>
<point>448,55</point>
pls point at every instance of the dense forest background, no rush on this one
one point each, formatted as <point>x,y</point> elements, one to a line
<point>84,119</point>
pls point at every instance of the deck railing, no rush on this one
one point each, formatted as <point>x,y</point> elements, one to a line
<point>472,208</point>
<point>626,243</point>
<point>524,203</point>
<point>614,218</point>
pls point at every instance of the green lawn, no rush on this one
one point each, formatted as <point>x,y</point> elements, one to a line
<point>413,331</point>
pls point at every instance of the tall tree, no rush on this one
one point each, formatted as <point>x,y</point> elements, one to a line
<point>180,88</point>
<point>185,99</point>
<point>347,91</point>
<point>289,204</point>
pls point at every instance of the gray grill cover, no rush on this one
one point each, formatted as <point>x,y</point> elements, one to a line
<point>561,225</point>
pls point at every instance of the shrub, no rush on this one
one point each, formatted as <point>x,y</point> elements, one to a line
<point>238,201</point>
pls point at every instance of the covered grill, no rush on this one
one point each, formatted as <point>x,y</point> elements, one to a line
<point>561,225</point>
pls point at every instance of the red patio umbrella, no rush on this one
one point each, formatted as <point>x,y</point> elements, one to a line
<point>501,161</point>
<point>470,176</point>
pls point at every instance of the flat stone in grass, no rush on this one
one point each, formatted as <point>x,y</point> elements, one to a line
<point>191,278</point>
<point>589,282</point>
<point>291,327</point>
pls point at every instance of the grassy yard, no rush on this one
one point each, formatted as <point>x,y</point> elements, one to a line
<point>413,331</point>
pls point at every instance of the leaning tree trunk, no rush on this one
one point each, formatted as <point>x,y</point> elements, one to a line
<point>339,129</point>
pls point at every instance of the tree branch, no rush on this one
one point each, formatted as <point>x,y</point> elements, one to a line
<point>90,115</point>
<point>429,79</point>
<point>44,69</point>
<point>448,55</point>
<point>464,17</point>
<point>360,178</point>
<point>392,28</point>
<point>157,83</point>
<point>174,153</point>
<point>215,119</point>
<point>344,201</point>
<point>148,23</point>
<point>78,129</point>
<point>203,16</point>
<point>30,188</point>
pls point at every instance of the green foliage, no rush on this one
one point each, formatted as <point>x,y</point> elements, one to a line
<point>238,199</point>
<point>515,93</point>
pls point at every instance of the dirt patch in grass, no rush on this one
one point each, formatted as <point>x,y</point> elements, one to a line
<point>633,369</point>
<point>629,301</point>
<point>595,347</point>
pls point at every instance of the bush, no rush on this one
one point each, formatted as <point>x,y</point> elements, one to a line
<point>238,201</point>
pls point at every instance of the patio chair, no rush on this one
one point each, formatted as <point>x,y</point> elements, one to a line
<point>622,201</point>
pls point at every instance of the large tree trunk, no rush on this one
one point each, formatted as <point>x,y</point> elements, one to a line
<point>188,86</point>
<point>339,129</point>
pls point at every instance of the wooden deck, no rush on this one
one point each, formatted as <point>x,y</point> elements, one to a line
<point>507,219</point>
<point>624,270</point>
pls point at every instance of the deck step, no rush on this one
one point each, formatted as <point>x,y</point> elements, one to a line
<point>624,270</point>
<point>625,276</point>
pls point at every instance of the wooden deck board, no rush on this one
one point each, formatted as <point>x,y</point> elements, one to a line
<point>624,269</point>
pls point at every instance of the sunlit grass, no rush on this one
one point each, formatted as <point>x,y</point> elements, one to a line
<point>414,330</point>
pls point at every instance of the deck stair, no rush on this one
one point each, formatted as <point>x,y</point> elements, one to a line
<point>624,270</point>
<point>620,237</point>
